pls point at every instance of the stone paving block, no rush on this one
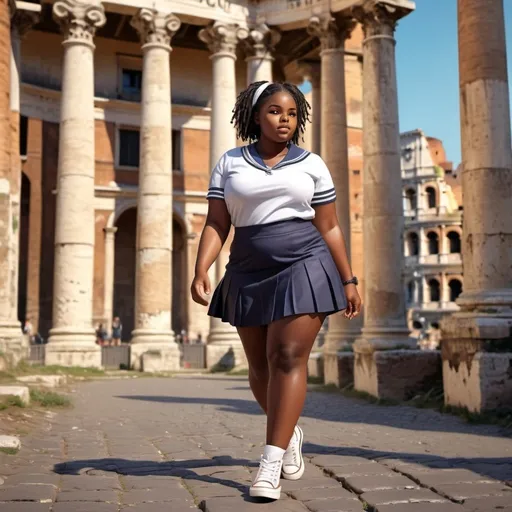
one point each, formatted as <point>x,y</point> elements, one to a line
<point>89,483</point>
<point>326,493</point>
<point>333,461</point>
<point>375,498</point>
<point>84,507</point>
<point>158,495</point>
<point>335,505</point>
<point>25,507</point>
<point>240,505</point>
<point>96,496</point>
<point>460,492</point>
<point>360,484</point>
<point>488,504</point>
<point>422,507</point>
<point>28,492</point>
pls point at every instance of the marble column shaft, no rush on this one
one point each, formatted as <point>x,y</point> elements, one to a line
<point>383,222</point>
<point>260,48</point>
<point>72,330</point>
<point>153,283</point>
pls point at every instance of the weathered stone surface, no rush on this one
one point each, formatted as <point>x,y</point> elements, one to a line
<point>377,498</point>
<point>22,392</point>
<point>49,381</point>
<point>362,484</point>
<point>10,442</point>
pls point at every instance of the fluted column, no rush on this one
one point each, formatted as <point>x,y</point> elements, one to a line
<point>474,378</point>
<point>72,338</point>
<point>334,147</point>
<point>108,298</point>
<point>259,49</point>
<point>222,40</point>
<point>153,277</point>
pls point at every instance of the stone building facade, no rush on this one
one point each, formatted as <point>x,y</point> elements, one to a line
<point>433,234</point>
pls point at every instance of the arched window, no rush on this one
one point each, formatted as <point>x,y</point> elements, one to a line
<point>413,244</point>
<point>454,239</point>
<point>410,199</point>
<point>455,289</point>
<point>431,197</point>
<point>434,289</point>
<point>433,243</point>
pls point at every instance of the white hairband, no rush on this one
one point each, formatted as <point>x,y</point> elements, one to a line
<point>258,92</point>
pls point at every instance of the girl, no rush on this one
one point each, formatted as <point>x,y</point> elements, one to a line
<point>288,267</point>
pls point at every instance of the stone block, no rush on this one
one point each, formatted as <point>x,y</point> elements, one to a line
<point>48,381</point>
<point>10,442</point>
<point>396,374</point>
<point>22,392</point>
<point>477,381</point>
<point>155,357</point>
<point>339,368</point>
<point>316,365</point>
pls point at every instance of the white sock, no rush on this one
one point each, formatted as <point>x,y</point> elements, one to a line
<point>272,453</point>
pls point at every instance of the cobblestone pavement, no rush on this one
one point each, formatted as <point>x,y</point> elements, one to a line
<point>192,443</point>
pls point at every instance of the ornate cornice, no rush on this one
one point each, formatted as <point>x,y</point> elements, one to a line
<point>155,28</point>
<point>223,38</point>
<point>378,18</point>
<point>79,19</point>
<point>331,31</point>
<point>261,41</point>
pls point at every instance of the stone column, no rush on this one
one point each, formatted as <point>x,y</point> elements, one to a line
<point>473,376</point>
<point>334,150</point>
<point>108,298</point>
<point>259,49</point>
<point>72,338</point>
<point>383,374</point>
<point>153,278</point>
<point>225,348</point>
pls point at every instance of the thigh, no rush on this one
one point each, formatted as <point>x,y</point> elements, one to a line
<point>254,341</point>
<point>291,338</point>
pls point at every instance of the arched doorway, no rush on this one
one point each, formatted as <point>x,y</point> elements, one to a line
<point>179,277</point>
<point>124,271</point>
<point>24,227</point>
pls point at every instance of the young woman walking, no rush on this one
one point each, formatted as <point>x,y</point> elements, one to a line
<point>288,267</point>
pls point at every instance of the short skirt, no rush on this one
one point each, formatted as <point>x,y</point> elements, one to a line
<point>277,270</point>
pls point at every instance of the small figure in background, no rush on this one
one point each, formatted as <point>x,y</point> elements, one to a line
<point>117,331</point>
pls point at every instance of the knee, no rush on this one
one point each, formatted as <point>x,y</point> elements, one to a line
<point>285,357</point>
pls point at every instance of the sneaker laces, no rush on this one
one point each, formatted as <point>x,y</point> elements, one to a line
<point>269,471</point>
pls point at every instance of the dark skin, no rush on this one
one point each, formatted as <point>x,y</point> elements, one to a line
<point>277,353</point>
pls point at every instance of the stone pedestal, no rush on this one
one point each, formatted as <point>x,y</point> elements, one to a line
<point>222,40</point>
<point>259,49</point>
<point>72,340</point>
<point>473,377</point>
<point>385,323</point>
<point>153,301</point>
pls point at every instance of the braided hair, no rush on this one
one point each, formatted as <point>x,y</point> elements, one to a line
<point>243,113</point>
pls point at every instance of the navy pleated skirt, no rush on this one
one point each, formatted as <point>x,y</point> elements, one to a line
<point>277,270</point>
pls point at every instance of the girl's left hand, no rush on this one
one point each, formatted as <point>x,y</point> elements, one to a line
<point>353,301</point>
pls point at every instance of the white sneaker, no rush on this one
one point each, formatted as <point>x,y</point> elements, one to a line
<point>293,463</point>
<point>266,484</point>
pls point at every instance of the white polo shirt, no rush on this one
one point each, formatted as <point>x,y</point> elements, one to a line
<point>257,194</point>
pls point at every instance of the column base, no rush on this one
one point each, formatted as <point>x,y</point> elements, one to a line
<point>477,358</point>
<point>339,368</point>
<point>13,343</point>
<point>226,356</point>
<point>155,356</point>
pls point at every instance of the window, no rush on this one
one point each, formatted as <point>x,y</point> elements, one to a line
<point>23,135</point>
<point>131,84</point>
<point>433,243</point>
<point>434,289</point>
<point>455,289</point>
<point>410,199</point>
<point>454,239</point>
<point>412,244</point>
<point>176,150</point>
<point>431,197</point>
<point>129,150</point>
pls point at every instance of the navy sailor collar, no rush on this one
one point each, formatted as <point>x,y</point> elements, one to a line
<point>295,154</point>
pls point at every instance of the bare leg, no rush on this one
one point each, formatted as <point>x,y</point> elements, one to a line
<point>254,340</point>
<point>289,343</point>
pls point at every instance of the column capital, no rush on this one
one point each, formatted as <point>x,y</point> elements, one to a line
<point>223,38</point>
<point>24,19</point>
<point>79,19</point>
<point>332,31</point>
<point>378,17</point>
<point>261,42</point>
<point>155,28</point>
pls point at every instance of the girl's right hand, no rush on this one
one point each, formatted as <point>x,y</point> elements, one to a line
<point>200,289</point>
